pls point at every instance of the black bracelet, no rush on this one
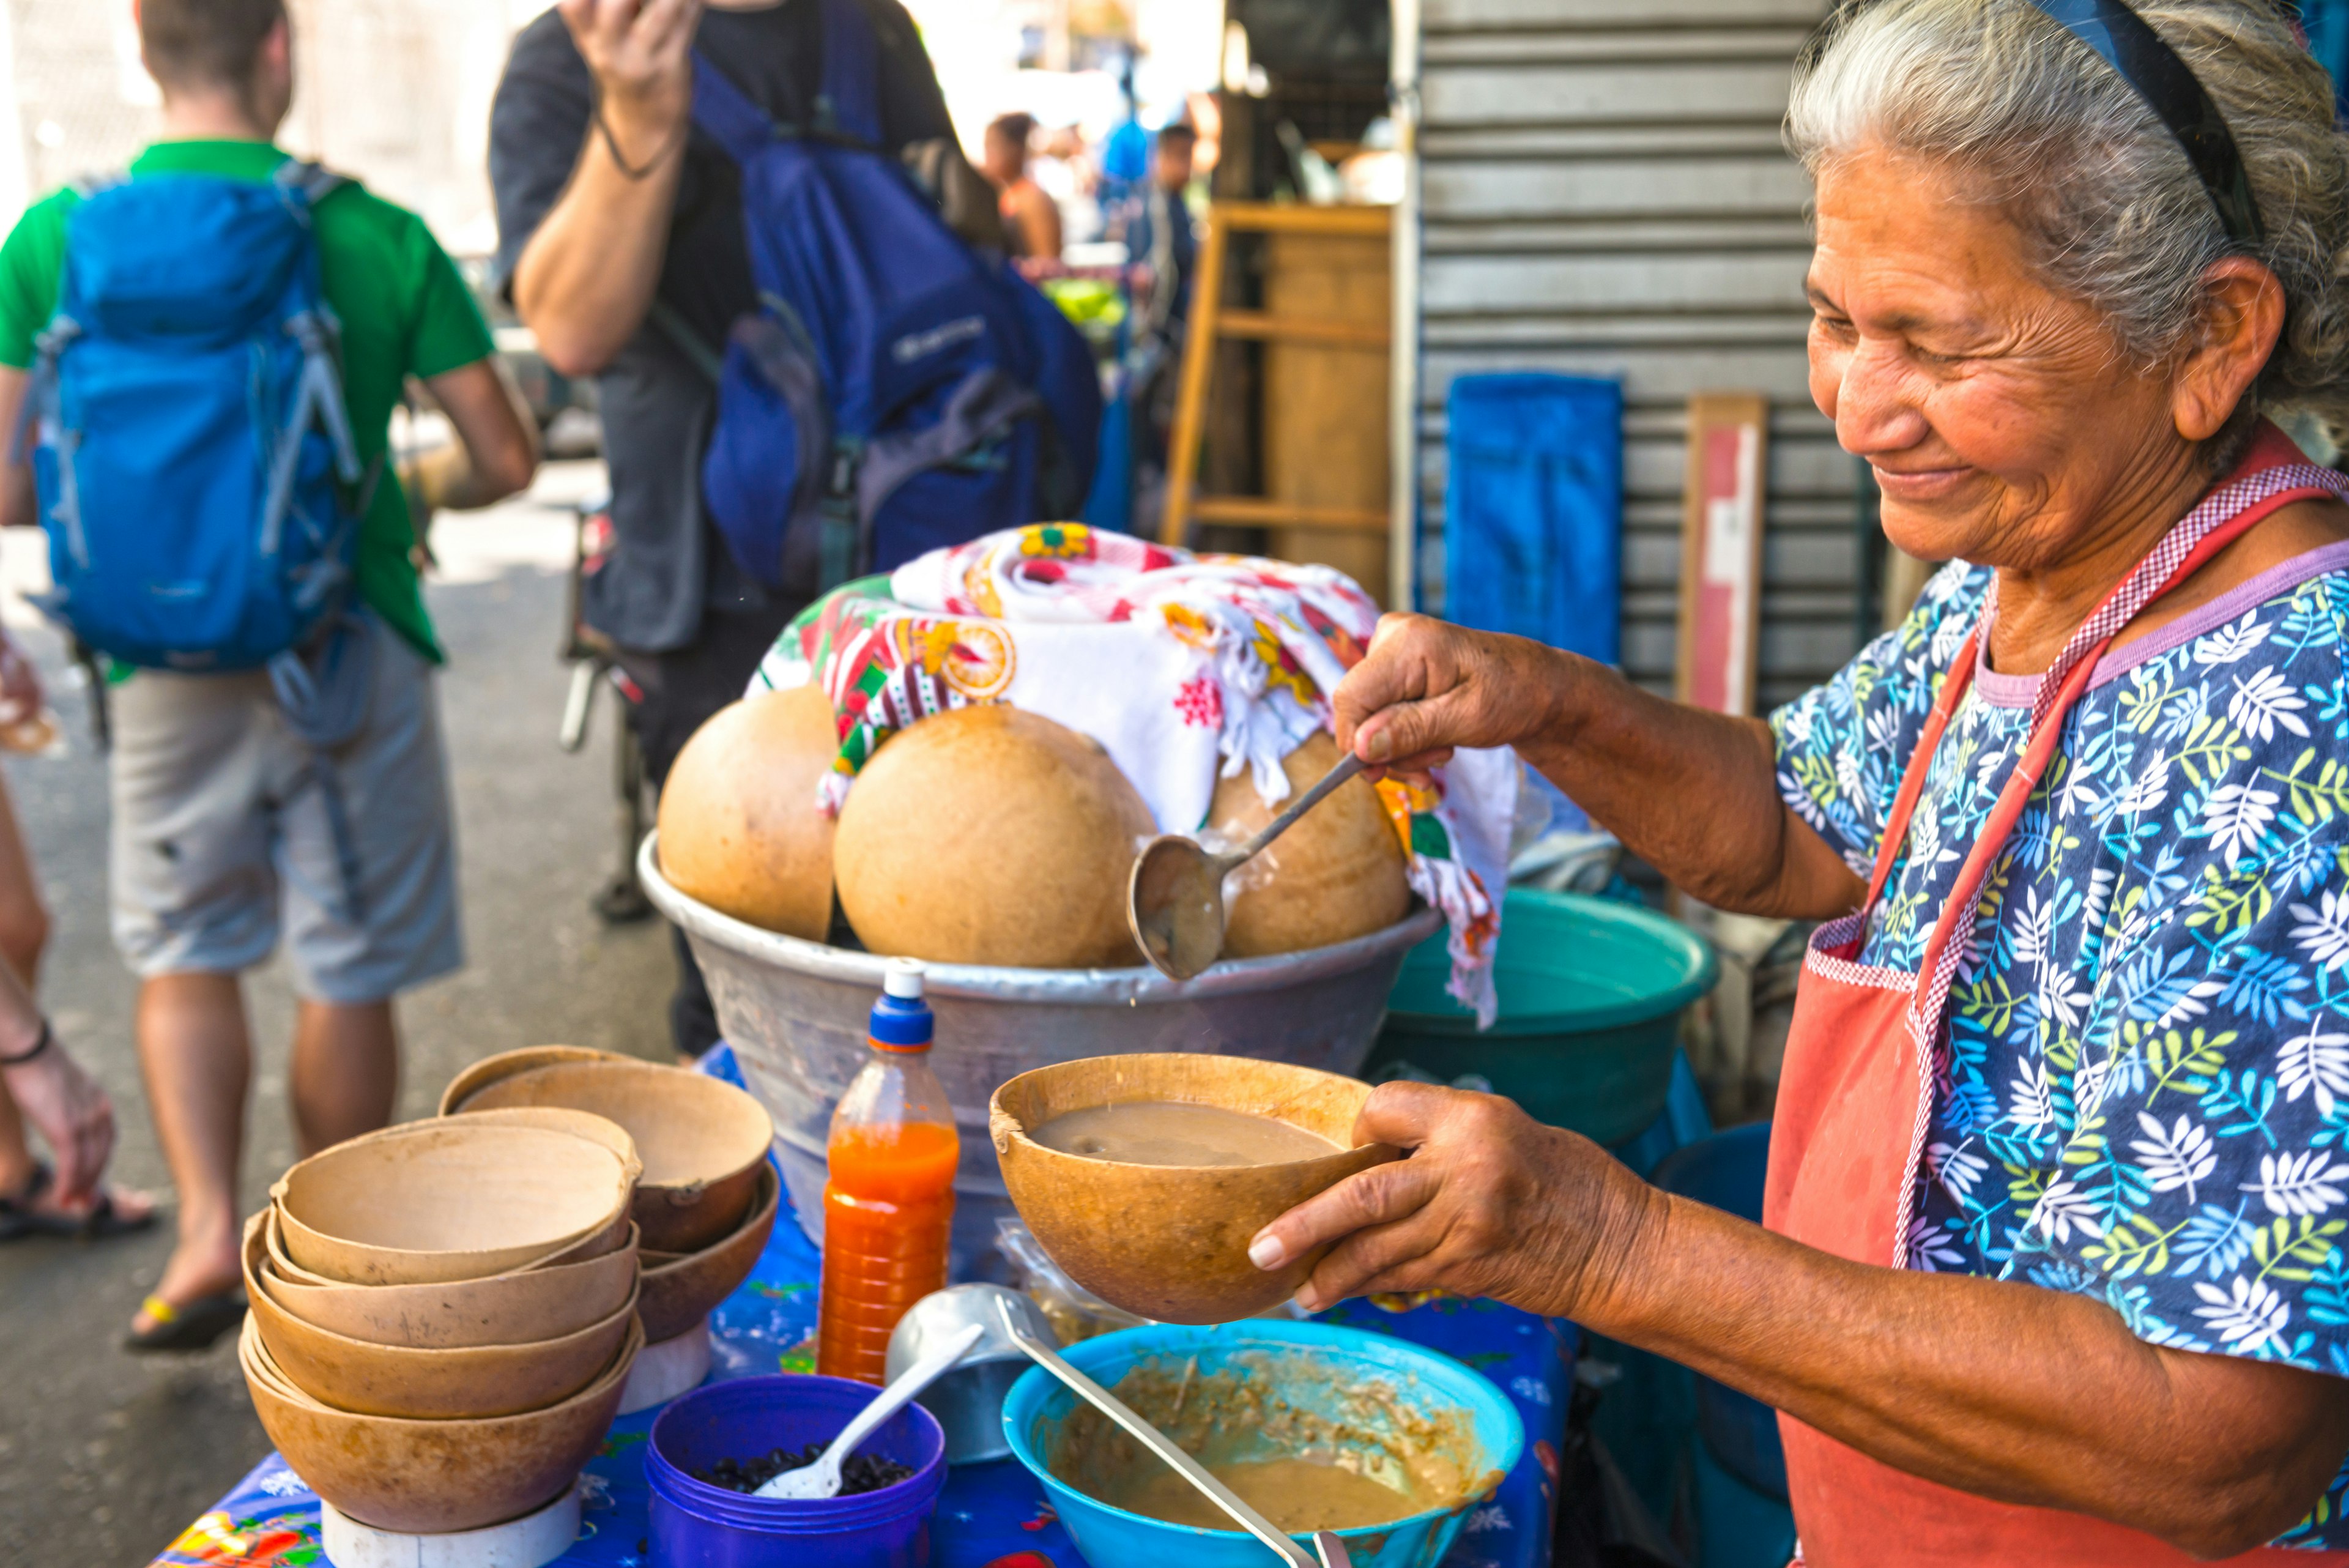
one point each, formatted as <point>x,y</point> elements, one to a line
<point>619,158</point>
<point>46,1040</point>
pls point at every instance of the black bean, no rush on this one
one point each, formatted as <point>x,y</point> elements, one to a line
<point>864,1472</point>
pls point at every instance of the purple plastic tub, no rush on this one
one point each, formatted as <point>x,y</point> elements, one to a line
<point>696,1525</point>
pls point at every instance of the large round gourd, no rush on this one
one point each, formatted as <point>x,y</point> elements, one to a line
<point>992,836</point>
<point>1336,874</point>
<point>739,828</point>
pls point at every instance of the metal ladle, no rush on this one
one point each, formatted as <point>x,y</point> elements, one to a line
<point>1175,899</point>
<point>1332,1551</point>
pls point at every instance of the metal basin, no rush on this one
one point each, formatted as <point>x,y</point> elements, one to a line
<point>795,1013</point>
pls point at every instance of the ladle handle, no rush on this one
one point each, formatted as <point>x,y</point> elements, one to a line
<point>1158,1443</point>
<point>1299,808</point>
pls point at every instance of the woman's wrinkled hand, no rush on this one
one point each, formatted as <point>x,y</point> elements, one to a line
<point>1427,686</point>
<point>1489,1203</point>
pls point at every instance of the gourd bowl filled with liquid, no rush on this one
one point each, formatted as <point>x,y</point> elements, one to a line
<point>1146,1176</point>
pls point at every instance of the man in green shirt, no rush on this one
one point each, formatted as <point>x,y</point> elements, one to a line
<point>222,836</point>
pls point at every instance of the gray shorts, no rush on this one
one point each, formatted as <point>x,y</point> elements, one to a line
<point>223,834</point>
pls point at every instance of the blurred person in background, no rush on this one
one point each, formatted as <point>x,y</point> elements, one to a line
<point>1031,219</point>
<point>39,1081</point>
<point>621,244</point>
<point>1062,167</point>
<point>1125,150</point>
<point>1159,233</point>
<point>228,828</point>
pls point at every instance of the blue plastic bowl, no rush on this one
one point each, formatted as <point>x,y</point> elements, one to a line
<point>696,1525</point>
<point>1420,1380</point>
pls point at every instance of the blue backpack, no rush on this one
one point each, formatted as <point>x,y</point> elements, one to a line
<point>193,459</point>
<point>894,391</point>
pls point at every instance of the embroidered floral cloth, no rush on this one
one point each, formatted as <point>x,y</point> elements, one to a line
<point>1184,667</point>
<point>2146,1085</point>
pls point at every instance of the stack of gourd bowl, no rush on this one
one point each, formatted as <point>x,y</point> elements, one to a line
<point>445,1314</point>
<point>706,1200</point>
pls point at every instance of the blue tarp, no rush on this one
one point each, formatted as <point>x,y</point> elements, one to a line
<point>1533,525</point>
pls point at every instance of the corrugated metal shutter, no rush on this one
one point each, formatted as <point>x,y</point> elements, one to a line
<point>1604,192</point>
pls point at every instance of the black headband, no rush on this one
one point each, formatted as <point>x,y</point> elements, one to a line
<point>2131,46</point>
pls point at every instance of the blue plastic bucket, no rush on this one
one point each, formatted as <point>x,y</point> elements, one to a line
<point>1416,1380</point>
<point>696,1525</point>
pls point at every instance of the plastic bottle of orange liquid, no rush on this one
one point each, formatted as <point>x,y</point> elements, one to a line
<point>889,1200</point>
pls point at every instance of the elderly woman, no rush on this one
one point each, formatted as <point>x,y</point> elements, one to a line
<point>2053,1270</point>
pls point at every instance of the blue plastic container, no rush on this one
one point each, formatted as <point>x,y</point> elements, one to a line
<point>1737,1526</point>
<point>696,1525</point>
<point>1420,1381</point>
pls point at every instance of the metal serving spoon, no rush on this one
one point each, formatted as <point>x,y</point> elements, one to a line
<point>1332,1551</point>
<point>1175,899</point>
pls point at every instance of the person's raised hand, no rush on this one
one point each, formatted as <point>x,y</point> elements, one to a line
<point>72,1115</point>
<point>1426,686</point>
<point>640,53</point>
<point>1488,1203</point>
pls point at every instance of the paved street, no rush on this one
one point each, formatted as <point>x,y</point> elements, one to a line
<point>103,1459</point>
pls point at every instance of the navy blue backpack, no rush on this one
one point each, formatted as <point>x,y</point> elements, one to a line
<point>196,470</point>
<point>895,390</point>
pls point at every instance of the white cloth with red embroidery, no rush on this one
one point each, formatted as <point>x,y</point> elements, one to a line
<point>1184,667</point>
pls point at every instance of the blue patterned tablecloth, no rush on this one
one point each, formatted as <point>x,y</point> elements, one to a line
<point>991,1515</point>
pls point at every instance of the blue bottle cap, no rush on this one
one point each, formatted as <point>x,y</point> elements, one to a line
<point>900,1016</point>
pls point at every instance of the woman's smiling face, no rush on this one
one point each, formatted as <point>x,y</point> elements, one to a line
<point>2003,419</point>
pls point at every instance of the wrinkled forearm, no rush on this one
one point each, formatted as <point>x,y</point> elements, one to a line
<point>1998,1388</point>
<point>1694,794</point>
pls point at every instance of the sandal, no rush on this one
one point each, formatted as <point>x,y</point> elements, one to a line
<point>193,1326</point>
<point>101,1221</point>
<point>22,1215</point>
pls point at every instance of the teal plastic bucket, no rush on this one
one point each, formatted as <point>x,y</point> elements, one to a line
<point>1590,993</point>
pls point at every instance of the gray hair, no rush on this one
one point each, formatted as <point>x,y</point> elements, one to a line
<point>2030,118</point>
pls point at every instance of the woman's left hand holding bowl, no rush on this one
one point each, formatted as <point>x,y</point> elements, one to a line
<point>1490,1203</point>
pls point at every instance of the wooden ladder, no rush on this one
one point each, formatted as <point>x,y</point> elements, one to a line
<point>1211,319</point>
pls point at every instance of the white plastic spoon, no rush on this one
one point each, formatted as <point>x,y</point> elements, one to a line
<point>822,1478</point>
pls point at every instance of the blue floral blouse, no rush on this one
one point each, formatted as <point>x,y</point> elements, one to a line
<point>2145,1092</point>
